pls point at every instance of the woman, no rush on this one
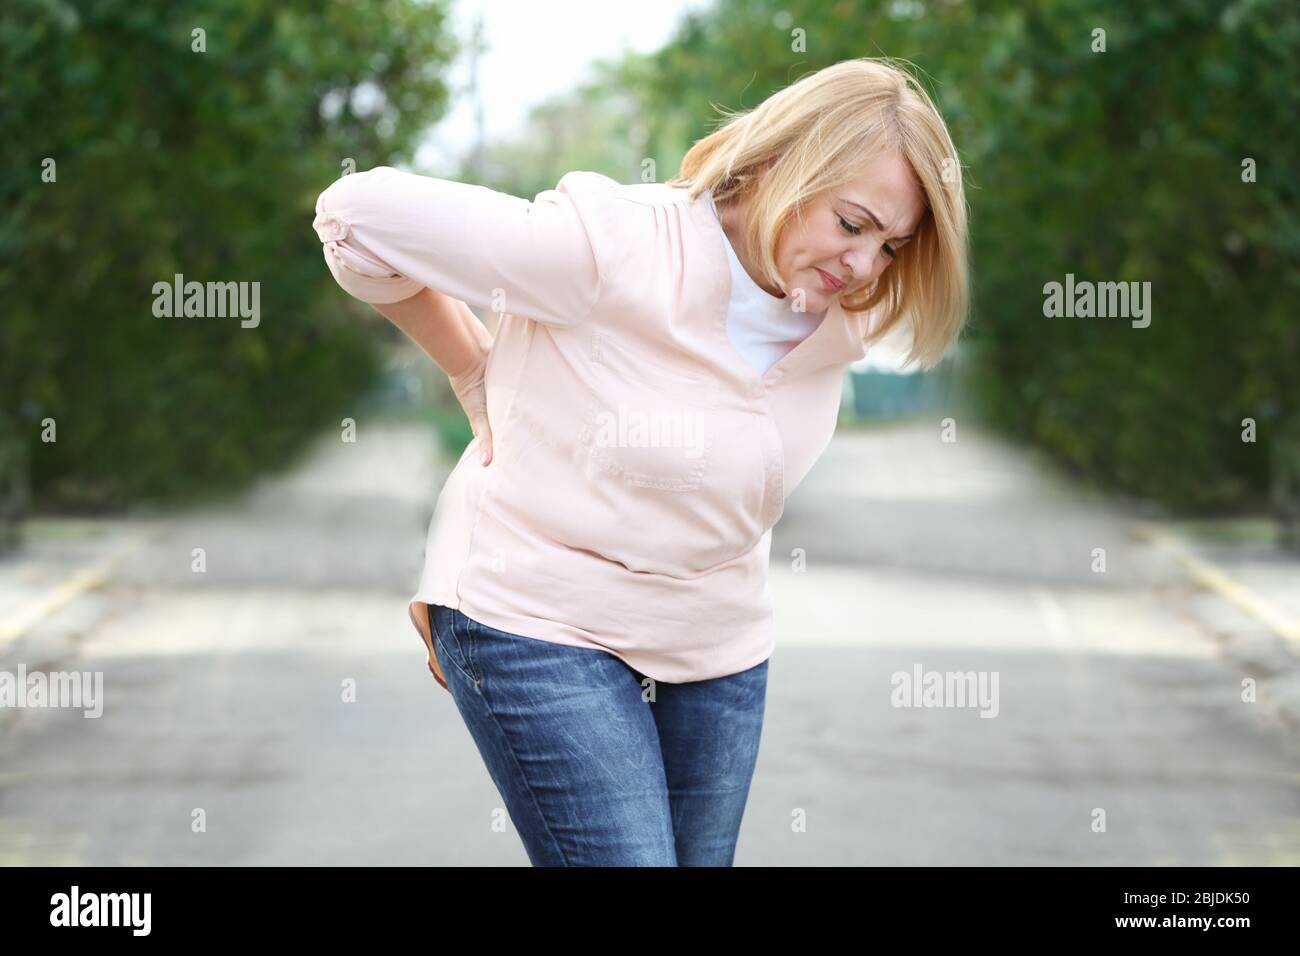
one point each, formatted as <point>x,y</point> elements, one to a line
<point>666,369</point>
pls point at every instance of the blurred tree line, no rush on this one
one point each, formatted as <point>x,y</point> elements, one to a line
<point>199,153</point>
<point>1117,165</point>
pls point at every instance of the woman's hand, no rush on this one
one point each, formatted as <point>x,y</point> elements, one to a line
<point>471,392</point>
<point>451,335</point>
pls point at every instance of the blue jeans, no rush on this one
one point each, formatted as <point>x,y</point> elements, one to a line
<point>591,773</point>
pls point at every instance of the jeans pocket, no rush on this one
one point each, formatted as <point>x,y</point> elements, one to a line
<point>455,639</point>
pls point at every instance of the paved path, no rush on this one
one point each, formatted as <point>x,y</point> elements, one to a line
<point>223,689</point>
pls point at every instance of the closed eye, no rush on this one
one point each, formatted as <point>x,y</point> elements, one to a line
<point>853,230</point>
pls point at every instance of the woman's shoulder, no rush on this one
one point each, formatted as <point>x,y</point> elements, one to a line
<point>587,182</point>
<point>626,221</point>
<point>652,244</point>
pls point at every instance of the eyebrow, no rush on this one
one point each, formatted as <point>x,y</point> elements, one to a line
<point>874,219</point>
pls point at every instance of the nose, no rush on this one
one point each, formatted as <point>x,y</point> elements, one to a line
<point>865,262</point>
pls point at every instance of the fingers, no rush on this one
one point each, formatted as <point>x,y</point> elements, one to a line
<point>485,442</point>
<point>475,406</point>
<point>471,391</point>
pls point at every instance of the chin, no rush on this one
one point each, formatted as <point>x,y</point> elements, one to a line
<point>820,301</point>
<point>817,299</point>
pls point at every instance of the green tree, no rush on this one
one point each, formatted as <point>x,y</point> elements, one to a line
<point>187,138</point>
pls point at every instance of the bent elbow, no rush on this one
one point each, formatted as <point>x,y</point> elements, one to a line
<point>358,268</point>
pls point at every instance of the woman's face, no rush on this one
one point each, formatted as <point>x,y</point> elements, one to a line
<point>851,234</point>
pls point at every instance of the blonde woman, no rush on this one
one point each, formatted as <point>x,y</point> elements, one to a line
<point>666,369</point>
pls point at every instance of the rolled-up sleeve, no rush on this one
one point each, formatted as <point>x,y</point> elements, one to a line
<point>387,234</point>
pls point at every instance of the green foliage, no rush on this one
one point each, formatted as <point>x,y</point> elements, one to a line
<point>452,428</point>
<point>1127,165</point>
<point>205,164</point>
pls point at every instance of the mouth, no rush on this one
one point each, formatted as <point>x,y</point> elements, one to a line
<point>829,282</point>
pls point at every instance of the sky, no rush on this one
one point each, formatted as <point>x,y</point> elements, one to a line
<point>535,51</point>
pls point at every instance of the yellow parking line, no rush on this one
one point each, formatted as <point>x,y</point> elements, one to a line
<point>1205,574</point>
<point>28,615</point>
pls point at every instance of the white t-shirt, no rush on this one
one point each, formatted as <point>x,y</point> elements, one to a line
<point>762,327</point>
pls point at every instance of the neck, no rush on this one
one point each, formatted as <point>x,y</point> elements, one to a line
<point>733,217</point>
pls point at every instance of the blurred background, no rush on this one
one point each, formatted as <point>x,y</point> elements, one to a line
<point>227,520</point>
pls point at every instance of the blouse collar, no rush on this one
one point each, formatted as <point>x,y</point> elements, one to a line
<point>838,340</point>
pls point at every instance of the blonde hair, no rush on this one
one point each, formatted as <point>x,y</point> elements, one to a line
<point>817,134</point>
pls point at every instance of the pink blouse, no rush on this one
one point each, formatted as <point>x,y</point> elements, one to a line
<point>639,461</point>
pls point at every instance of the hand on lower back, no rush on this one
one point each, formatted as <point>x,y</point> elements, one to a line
<point>471,392</point>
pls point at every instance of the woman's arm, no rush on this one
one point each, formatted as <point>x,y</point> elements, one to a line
<point>458,342</point>
<point>444,327</point>
<point>413,246</point>
<point>387,234</point>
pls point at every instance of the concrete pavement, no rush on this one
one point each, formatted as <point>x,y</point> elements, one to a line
<point>1120,735</point>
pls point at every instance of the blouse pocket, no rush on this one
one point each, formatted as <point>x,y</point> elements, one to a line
<point>646,424</point>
